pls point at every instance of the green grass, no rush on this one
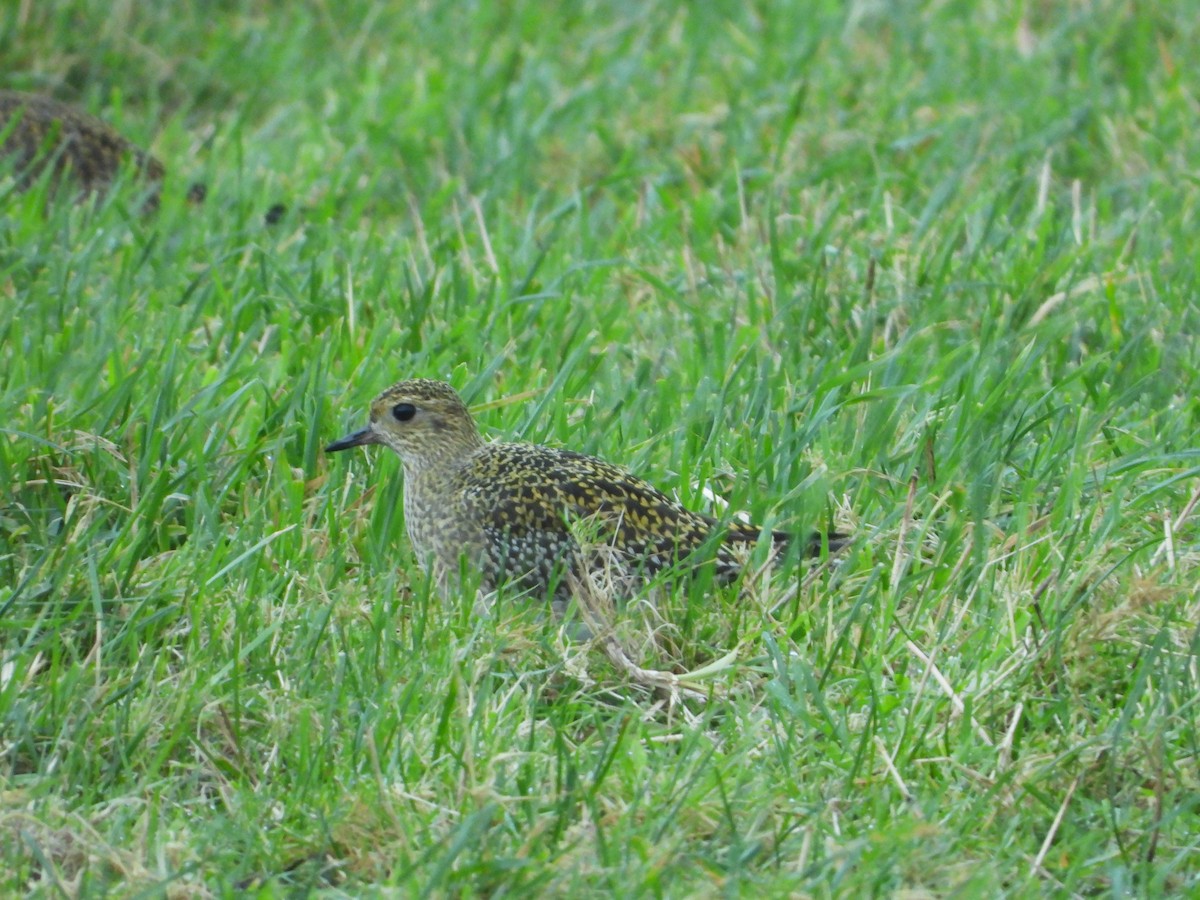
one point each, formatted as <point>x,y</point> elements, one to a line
<point>922,271</point>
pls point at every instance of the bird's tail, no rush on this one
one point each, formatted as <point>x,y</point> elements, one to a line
<point>740,535</point>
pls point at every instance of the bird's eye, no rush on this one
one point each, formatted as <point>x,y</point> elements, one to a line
<point>404,411</point>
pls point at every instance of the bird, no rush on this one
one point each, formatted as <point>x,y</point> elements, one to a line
<point>520,514</point>
<point>37,131</point>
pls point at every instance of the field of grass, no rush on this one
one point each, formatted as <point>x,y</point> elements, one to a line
<point>920,271</point>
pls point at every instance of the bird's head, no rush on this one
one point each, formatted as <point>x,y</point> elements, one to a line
<point>424,421</point>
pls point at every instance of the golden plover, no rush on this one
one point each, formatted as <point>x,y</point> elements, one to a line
<point>515,511</point>
<point>40,131</point>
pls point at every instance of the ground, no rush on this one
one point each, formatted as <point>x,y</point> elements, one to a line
<point>923,272</point>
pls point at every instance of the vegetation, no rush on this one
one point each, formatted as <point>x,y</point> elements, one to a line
<point>919,271</point>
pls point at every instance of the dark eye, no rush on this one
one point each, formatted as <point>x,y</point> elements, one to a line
<point>404,411</point>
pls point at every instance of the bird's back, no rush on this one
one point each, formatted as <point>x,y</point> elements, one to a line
<point>534,506</point>
<point>39,130</point>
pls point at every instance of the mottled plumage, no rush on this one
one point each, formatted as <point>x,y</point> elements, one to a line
<point>39,131</point>
<point>517,511</point>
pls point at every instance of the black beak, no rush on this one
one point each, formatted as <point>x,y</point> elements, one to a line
<point>358,439</point>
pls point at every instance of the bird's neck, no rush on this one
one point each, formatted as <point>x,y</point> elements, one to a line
<point>441,465</point>
<point>431,487</point>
